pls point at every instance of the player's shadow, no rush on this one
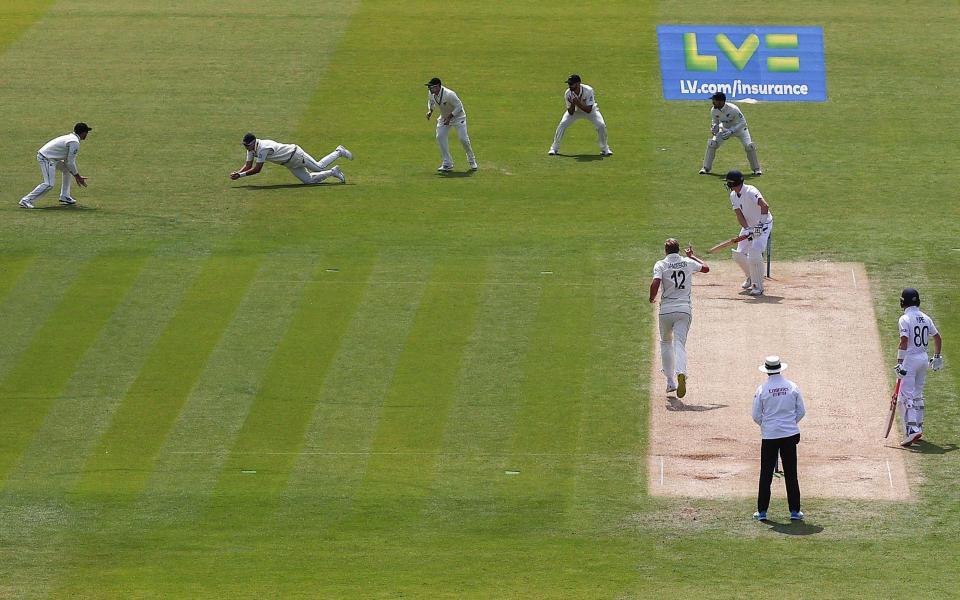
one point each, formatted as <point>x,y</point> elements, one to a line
<point>455,174</point>
<point>583,157</point>
<point>922,446</point>
<point>674,404</point>
<point>746,176</point>
<point>70,207</point>
<point>283,186</point>
<point>764,299</point>
<point>794,527</point>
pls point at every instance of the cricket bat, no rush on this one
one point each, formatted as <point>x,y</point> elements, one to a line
<point>893,410</point>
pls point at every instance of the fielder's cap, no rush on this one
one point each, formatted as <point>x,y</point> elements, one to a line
<point>573,79</point>
<point>249,138</point>
<point>434,81</point>
<point>719,96</point>
<point>81,127</point>
<point>772,365</point>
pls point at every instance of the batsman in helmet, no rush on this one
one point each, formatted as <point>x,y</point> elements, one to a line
<point>916,331</point>
<point>756,223</point>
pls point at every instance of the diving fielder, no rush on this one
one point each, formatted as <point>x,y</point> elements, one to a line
<point>674,276</point>
<point>916,330</point>
<point>581,104</point>
<point>756,222</point>
<point>303,166</point>
<point>726,121</point>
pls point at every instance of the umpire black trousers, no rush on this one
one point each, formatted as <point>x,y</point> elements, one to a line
<point>787,449</point>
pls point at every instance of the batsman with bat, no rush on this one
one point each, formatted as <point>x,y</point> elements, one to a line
<point>916,331</point>
<point>756,224</point>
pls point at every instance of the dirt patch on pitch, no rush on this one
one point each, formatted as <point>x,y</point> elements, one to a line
<point>819,318</point>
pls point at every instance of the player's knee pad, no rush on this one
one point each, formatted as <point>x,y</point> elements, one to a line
<point>712,143</point>
<point>751,147</point>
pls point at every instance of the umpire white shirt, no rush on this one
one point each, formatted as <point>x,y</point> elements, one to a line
<point>778,408</point>
<point>63,148</point>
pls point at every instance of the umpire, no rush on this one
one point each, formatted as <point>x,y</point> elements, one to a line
<point>777,409</point>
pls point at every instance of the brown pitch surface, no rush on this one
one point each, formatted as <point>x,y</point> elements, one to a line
<point>819,318</point>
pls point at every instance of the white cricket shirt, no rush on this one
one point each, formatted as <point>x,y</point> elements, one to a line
<point>586,96</point>
<point>447,102</point>
<point>676,282</point>
<point>729,117</point>
<point>918,328</point>
<point>778,408</point>
<point>65,148</point>
<point>748,201</point>
<point>269,150</point>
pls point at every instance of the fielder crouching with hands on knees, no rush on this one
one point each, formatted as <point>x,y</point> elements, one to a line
<point>777,409</point>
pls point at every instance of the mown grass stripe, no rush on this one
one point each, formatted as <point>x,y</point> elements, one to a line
<point>548,422</point>
<point>273,431</point>
<point>613,426</point>
<point>344,421</point>
<point>18,17</point>
<point>194,452</point>
<point>11,268</point>
<point>414,415</point>
<point>34,508</point>
<point>479,434</point>
<point>43,369</point>
<point>124,456</point>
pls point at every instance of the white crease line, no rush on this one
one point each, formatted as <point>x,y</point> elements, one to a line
<point>889,474</point>
<point>661,470</point>
<point>854,273</point>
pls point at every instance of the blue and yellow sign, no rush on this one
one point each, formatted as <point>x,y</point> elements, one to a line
<point>773,63</point>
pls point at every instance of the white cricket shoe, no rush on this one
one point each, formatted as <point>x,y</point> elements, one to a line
<point>552,152</point>
<point>747,284</point>
<point>344,153</point>
<point>911,438</point>
<point>67,200</point>
<point>336,172</point>
<point>704,171</point>
<point>758,173</point>
<point>607,152</point>
<point>756,291</point>
<point>445,168</point>
<point>24,203</point>
<point>473,165</point>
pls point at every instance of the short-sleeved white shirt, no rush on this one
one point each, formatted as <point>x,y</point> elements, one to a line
<point>918,328</point>
<point>729,117</point>
<point>66,147</point>
<point>676,282</point>
<point>748,201</point>
<point>778,408</point>
<point>587,97</point>
<point>269,150</point>
<point>447,102</point>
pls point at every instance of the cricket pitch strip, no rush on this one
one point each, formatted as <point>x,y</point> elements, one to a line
<point>819,318</point>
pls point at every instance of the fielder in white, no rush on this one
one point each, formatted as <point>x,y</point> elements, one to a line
<point>581,104</point>
<point>726,121</point>
<point>303,166</point>
<point>916,331</point>
<point>452,115</point>
<point>59,154</point>
<point>756,221</point>
<point>674,276</point>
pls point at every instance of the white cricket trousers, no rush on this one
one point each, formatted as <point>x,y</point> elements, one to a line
<point>714,143</point>
<point>308,169</point>
<point>443,133</point>
<point>48,169</point>
<point>749,254</point>
<point>910,398</point>
<point>673,344</point>
<point>593,116</point>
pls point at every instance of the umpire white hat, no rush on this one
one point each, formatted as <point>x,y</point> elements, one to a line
<point>772,365</point>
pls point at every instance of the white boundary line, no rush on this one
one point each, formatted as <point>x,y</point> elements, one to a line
<point>661,470</point>
<point>889,474</point>
<point>854,273</point>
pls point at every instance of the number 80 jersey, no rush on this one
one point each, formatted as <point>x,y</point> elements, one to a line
<point>918,328</point>
<point>676,280</point>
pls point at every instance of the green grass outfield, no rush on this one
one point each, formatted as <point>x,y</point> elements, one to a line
<point>252,389</point>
